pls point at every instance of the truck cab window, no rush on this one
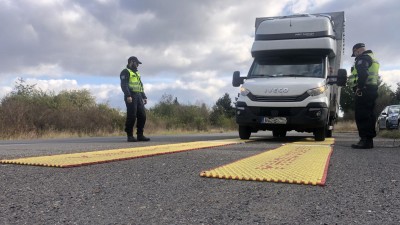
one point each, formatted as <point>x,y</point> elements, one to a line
<point>281,66</point>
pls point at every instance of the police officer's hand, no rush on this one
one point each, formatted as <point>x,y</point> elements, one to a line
<point>129,99</point>
<point>359,92</point>
<point>145,101</point>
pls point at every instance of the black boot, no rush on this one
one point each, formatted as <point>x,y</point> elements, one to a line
<point>131,139</point>
<point>364,143</point>
<point>141,137</point>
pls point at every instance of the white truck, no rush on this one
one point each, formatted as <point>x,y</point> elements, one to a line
<point>294,81</point>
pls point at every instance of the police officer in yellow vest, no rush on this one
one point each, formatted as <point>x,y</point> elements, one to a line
<point>135,99</point>
<point>364,81</point>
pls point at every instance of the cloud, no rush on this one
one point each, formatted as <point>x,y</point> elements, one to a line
<point>371,22</point>
<point>89,37</point>
<point>51,70</point>
<point>53,85</point>
<point>4,91</point>
<point>188,48</point>
<point>391,77</point>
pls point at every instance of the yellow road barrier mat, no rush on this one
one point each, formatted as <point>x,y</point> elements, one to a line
<point>87,158</point>
<point>303,162</point>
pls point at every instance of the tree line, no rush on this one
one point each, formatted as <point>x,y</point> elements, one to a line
<point>28,112</point>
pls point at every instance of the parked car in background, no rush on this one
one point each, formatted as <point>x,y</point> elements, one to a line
<point>389,118</point>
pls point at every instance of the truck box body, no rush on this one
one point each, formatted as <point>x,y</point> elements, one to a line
<point>288,86</point>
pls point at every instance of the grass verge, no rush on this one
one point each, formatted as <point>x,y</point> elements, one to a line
<point>350,126</point>
<point>345,126</point>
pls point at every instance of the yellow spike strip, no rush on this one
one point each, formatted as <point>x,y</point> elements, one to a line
<point>302,162</point>
<point>87,158</point>
<point>310,141</point>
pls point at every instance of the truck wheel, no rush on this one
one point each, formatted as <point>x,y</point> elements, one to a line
<point>377,127</point>
<point>244,132</point>
<point>320,134</point>
<point>279,133</point>
<point>328,133</point>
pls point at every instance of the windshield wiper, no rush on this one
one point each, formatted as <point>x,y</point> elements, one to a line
<point>278,75</point>
<point>266,75</point>
<point>293,75</point>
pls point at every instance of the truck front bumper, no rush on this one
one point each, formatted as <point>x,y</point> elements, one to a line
<point>303,119</point>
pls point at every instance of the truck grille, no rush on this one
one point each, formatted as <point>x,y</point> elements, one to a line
<point>260,98</point>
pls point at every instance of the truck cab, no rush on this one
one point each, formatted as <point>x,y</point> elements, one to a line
<point>295,78</point>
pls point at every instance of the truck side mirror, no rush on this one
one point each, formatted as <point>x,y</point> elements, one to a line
<point>342,77</point>
<point>236,79</point>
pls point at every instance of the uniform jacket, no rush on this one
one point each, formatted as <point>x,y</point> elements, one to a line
<point>124,76</point>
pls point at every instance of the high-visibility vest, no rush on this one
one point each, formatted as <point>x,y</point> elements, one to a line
<point>135,83</point>
<point>373,73</point>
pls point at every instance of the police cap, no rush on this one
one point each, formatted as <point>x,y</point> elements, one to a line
<point>357,46</point>
<point>135,59</point>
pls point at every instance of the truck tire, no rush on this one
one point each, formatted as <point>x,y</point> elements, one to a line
<point>244,132</point>
<point>377,127</point>
<point>279,133</point>
<point>320,134</point>
<point>328,133</point>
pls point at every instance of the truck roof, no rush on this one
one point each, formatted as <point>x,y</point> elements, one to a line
<point>295,28</point>
<point>336,18</point>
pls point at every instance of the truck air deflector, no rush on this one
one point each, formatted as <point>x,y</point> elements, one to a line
<point>299,35</point>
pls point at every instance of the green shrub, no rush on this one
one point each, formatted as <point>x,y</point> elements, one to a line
<point>28,112</point>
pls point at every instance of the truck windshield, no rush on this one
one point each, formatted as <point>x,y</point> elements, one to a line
<point>393,110</point>
<point>288,66</point>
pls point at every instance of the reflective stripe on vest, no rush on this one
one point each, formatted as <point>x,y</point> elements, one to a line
<point>134,81</point>
<point>373,73</point>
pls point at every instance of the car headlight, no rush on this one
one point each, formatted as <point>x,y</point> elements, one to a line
<point>244,91</point>
<point>317,91</point>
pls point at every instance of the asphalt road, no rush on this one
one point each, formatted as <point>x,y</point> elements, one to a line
<point>362,186</point>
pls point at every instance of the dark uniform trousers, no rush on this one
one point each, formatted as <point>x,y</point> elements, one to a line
<point>134,110</point>
<point>364,112</point>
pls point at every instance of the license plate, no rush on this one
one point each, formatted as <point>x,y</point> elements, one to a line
<point>274,120</point>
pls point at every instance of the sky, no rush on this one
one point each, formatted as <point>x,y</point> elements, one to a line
<point>189,49</point>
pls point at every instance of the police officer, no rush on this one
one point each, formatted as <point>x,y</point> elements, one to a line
<point>364,81</point>
<point>135,99</point>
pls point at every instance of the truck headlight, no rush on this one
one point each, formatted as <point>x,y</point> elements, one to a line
<point>244,91</point>
<point>317,91</point>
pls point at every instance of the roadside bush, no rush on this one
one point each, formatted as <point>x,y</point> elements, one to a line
<point>223,113</point>
<point>177,116</point>
<point>30,112</point>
